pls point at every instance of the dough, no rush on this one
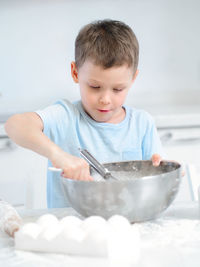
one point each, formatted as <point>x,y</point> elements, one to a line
<point>10,221</point>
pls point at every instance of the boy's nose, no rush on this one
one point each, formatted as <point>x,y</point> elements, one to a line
<point>104,99</point>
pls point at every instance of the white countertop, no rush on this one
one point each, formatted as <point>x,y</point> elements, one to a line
<point>171,240</point>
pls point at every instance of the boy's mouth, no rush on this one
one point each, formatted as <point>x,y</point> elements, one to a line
<point>103,110</point>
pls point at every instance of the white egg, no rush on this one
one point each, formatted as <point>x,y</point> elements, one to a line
<point>71,228</point>
<point>95,236</point>
<point>119,222</point>
<point>123,241</point>
<point>46,220</point>
<point>95,241</point>
<point>31,230</point>
<point>73,232</point>
<point>51,231</point>
<point>93,223</point>
<point>70,220</point>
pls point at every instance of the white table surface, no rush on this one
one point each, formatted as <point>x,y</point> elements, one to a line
<point>171,240</point>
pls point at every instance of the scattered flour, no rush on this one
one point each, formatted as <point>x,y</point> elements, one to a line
<point>168,232</point>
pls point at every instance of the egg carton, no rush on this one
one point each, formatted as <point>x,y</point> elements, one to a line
<point>93,236</point>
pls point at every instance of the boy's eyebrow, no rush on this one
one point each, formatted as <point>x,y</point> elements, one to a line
<point>121,85</point>
<point>116,85</point>
<point>91,80</point>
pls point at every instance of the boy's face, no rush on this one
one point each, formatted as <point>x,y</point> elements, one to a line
<point>103,91</point>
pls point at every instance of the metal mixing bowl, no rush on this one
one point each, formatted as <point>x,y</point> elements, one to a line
<point>143,197</point>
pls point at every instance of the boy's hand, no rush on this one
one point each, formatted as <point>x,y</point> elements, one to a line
<point>73,167</point>
<point>156,159</point>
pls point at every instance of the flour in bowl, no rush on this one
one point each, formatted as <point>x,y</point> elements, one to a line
<point>120,175</point>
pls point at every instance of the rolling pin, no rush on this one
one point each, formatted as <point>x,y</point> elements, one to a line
<point>10,221</point>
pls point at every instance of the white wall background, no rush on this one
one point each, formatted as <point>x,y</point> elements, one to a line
<point>37,46</point>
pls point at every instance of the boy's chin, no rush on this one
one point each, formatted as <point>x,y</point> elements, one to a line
<point>100,119</point>
<point>97,118</point>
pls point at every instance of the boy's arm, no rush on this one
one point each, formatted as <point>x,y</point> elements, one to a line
<point>27,131</point>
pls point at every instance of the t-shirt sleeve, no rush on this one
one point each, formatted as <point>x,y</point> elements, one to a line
<point>51,117</point>
<point>151,143</point>
<point>56,119</point>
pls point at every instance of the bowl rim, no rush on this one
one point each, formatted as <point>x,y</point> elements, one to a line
<point>162,175</point>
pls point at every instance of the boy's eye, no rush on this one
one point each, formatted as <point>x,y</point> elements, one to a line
<point>95,87</point>
<point>117,90</point>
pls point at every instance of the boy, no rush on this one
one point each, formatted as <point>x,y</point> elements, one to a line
<point>106,60</point>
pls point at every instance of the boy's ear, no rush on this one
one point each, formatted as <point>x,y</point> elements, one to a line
<point>74,72</point>
<point>135,75</point>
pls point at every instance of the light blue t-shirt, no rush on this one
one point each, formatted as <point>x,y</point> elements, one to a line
<point>70,127</point>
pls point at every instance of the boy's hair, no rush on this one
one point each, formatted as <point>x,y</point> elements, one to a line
<point>107,43</point>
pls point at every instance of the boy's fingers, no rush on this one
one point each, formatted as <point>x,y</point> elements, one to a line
<point>84,176</point>
<point>90,178</point>
<point>156,159</point>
